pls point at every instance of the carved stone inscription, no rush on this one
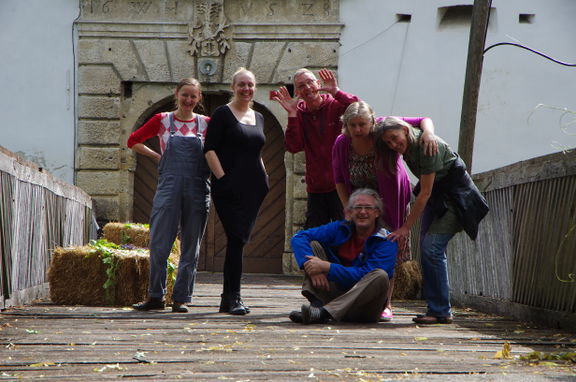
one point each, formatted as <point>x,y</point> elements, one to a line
<point>281,10</point>
<point>139,9</point>
<point>209,31</point>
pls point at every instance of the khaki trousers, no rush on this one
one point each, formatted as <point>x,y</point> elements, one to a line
<point>364,302</point>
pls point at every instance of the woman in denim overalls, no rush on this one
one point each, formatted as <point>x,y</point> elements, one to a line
<point>182,197</point>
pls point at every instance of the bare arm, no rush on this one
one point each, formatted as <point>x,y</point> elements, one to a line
<point>426,184</point>
<point>428,138</point>
<point>329,82</point>
<point>282,96</point>
<point>317,270</point>
<point>141,148</point>
<point>214,164</point>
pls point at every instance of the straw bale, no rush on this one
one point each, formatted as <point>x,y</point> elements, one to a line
<point>77,275</point>
<point>134,234</point>
<point>407,281</point>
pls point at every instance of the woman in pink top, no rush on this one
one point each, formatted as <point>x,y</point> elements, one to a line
<point>354,167</point>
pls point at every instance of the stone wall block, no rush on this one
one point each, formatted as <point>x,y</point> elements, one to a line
<point>299,163</point>
<point>98,158</point>
<point>264,59</point>
<point>107,208</point>
<point>181,62</point>
<point>299,214</point>
<point>99,132</point>
<point>100,182</point>
<point>289,265</point>
<point>313,55</point>
<point>99,107</point>
<point>237,56</point>
<point>117,52</point>
<point>98,79</point>
<point>300,188</point>
<point>153,56</point>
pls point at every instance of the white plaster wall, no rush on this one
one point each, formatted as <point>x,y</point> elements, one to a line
<point>417,69</point>
<point>36,76</point>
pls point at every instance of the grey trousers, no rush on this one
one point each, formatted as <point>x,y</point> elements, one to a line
<point>364,302</point>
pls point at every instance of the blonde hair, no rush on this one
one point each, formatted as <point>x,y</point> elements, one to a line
<point>241,70</point>
<point>358,109</point>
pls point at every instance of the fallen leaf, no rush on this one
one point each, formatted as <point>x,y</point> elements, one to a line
<point>505,352</point>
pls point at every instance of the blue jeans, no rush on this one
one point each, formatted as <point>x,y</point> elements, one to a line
<point>436,288</point>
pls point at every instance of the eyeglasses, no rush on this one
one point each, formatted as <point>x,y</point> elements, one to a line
<point>367,208</point>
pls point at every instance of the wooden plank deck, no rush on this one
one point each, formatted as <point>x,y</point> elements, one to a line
<point>48,342</point>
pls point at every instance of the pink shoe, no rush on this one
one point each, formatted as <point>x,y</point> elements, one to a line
<point>386,315</point>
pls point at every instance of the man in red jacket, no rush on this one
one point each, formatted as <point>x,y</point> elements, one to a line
<point>313,125</point>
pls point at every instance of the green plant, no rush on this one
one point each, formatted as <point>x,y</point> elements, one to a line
<point>171,270</point>
<point>104,248</point>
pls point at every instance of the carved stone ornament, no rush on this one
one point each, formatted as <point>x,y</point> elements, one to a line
<point>209,31</point>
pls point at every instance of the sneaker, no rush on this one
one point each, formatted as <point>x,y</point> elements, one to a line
<point>296,316</point>
<point>387,315</point>
<point>150,304</point>
<point>314,315</point>
<point>431,320</point>
<point>179,307</point>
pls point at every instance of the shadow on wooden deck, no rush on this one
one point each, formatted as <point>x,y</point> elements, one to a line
<point>49,342</point>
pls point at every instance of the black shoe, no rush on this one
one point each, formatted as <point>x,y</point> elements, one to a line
<point>314,301</point>
<point>179,307</point>
<point>233,304</point>
<point>314,315</point>
<point>151,304</point>
<point>296,316</point>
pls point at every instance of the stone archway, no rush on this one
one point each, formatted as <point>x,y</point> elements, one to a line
<point>263,254</point>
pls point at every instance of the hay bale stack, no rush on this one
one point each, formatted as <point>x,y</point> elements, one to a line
<point>407,281</point>
<point>127,233</point>
<point>134,234</point>
<point>77,276</point>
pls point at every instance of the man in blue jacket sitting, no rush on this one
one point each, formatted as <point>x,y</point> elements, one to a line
<point>347,264</point>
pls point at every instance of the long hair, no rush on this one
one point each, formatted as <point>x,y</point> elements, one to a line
<point>354,110</point>
<point>387,158</point>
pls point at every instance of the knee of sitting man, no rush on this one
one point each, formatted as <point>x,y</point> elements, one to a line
<point>380,275</point>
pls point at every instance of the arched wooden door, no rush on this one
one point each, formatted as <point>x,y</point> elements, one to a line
<point>263,254</point>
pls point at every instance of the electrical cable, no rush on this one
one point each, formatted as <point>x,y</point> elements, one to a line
<point>531,50</point>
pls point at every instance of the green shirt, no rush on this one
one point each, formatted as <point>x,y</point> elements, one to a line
<point>422,164</point>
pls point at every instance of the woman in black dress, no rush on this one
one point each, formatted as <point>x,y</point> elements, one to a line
<point>233,149</point>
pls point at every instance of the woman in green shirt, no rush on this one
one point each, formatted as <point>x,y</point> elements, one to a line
<point>446,198</point>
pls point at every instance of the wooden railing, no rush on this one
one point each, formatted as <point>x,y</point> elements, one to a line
<point>523,263</point>
<point>38,212</point>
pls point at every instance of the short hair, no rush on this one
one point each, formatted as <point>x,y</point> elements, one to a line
<point>301,71</point>
<point>354,110</point>
<point>367,192</point>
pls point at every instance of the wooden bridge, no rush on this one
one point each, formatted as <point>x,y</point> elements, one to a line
<point>48,342</point>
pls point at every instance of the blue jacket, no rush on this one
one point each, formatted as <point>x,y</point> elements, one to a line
<point>378,252</point>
